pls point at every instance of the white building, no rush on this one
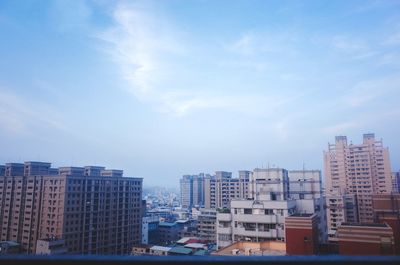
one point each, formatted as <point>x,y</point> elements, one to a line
<point>261,217</point>
<point>149,223</point>
<point>255,221</point>
<point>51,246</point>
<point>305,184</point>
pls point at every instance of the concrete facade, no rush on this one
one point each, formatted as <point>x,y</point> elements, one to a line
<point>302,236</point>
<point>206,225</point>
<point>98,214</point>
<point>192,191</point>
<point>365,239</point>
<point>220,189</point>
<point>387,210</point>
<point>359,169</point>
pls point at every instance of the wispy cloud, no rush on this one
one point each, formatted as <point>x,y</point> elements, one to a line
<point>19,117</point>
<point>154,58</point>
<point>341,128</point>
<point>368,91</point>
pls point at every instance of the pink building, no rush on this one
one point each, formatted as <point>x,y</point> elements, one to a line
<point>355,169</point>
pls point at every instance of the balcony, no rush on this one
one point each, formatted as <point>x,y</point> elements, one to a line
<point>225,217</point>
<point>254,218</point>
<point>224,230</point>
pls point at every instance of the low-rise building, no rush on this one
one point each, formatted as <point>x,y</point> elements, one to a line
<point>302,235</point>
<point>254,221</point>
<point>51,246</point>
<point>244,248</point>
<point>365,239</point>
<point>10,247</point>
<point>206,226</point>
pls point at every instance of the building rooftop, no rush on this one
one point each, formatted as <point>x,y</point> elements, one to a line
<point>266,248</point>
<point>9,243</point>
<point>195,245</point>
<point>166,224</point>
<point>200,252</point>
<point>364,224</point>
<point>301,215</point>
<point>160,248</point>
<point>180,250</point>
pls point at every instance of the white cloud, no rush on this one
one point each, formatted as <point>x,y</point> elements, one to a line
<point>367,91</point>
<point>341,128</point>
<point>154,58</point>
<point>19,117</point>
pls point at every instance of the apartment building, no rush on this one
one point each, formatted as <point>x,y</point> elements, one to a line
<point>220,189</point>
<point>356,169</point>
<point>305,184</point>
<point>96,211</point>
<point>206,225</point>
<point>396,182</point>
<point>340,209</point>
<point>192,190</point>
<point>261,217</point>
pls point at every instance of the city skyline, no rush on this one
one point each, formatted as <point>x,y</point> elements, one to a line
<point>168,88</point>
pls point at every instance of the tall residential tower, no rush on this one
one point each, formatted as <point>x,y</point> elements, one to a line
<point>354,172</point>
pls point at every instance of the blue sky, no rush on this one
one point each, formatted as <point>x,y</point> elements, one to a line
<point>166,88</point>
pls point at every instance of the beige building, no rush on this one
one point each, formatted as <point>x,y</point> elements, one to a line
<point>96,211</point>
<point>355,169</point>
<point>206,225</point>
<point>220,189</point>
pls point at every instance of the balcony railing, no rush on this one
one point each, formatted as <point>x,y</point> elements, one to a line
<point>209,260</point>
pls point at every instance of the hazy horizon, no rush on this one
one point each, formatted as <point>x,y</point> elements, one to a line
<point>161,89</point>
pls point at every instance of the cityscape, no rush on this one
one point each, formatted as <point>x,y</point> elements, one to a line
<point>200,131</point>
<point>264,212</point>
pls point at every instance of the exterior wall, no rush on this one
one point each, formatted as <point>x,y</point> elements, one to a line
<point>269,184</point>
<point>387,210</point>
<point>222,188</point>
<point>94,214</point>
<point>396,182</point>
<point>20,200</point>
<point>302,235</point>
<point>149,224</point>
<point>51,247</point>
<point>206,226</point>
<point>192,190</point>
<point>340,209</point>
<point>305,184</point>
<point>254,221</point>
<point>167,233</point>
<point>318,207</point>
<point>365,239</point>
<point>362,169</point>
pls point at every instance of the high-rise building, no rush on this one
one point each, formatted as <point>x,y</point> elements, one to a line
<point>220,189</point>
<point>192,190</point>
<point>269,184</point>
<point>305,184</point>
<point>396,182</point>
<point>96,211</point>
<point>261,216</point>
<point>355,169</point>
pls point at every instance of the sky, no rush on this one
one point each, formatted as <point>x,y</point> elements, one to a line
<point>166,88</point>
